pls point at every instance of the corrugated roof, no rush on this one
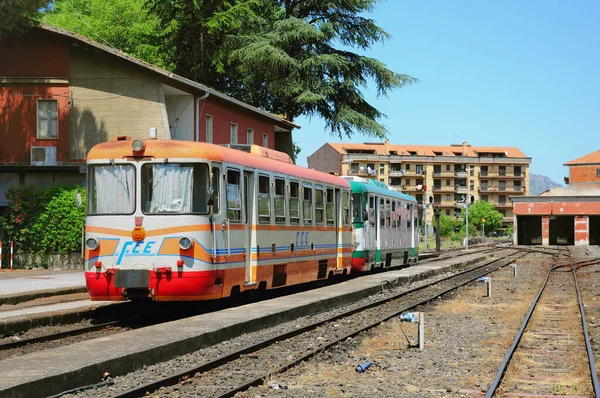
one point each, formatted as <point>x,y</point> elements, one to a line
<point>591,158</point>
<point>163,72</point>
<point>428,150</point>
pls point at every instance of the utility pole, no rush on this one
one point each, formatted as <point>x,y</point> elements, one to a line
<point>438,244</point>
<point>468,202</point>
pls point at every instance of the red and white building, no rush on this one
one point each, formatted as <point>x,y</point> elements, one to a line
<point>61,93</point>
<point>563,216</point>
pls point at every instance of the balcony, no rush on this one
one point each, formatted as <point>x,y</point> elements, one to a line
<point>396,173</point>
<point>461,173</point>
<point>362,172</point>
<point>461,188</point>
<point>443,188</point>
<point>505,204</point>
<point>443,174</point>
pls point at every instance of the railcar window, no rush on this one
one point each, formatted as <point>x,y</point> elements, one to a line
<point>112,189</point>
<point>394,220</point>
<point>264,215</point>
<point>382,212</point>
<point>216,186</point>
<point>234,196</point>
<point>294,203</point>
<point>319,205</point>
<point>408,218</point>
<point>372,210</point>
<point>280,201</point>
<point>175,188</point>
<point>329,206</point>
<point>388,214</point>
<point>307,204</point>
<point>399,214</point>
<point>358,212</point>
<point>345,208</point>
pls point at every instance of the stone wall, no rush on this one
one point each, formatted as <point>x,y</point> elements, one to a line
<point>52,261</point>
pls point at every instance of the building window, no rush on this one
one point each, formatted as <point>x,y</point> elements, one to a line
<point>420,169</point>
<point>447,167</point>
<point>448,183</point>
<point>447,198</point>
<point>597,172</point>
<point>382,168</point>
<point>265,140</point>
<point>408,166</point>
<point>249,136</point>
<point>233,133</point>
<point>209,128</point>
<point>447,212</point>
<point>47,119</point>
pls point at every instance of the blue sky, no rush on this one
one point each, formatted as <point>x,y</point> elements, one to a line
<point>511,73</point>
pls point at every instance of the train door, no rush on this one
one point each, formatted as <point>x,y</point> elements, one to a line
<point>216,215</point>
<point>371,232</point>
<point>337,215</point>
<point>249,240</point>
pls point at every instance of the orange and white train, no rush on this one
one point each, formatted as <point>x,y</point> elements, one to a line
<point>178,220</point>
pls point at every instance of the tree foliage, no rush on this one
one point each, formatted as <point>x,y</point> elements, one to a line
<point>288,57</point>
<point>18,15</point>
<point>43,220</point>
<point>479,211</point>
<point>124,24</point>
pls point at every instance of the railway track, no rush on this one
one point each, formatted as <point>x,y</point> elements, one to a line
<point>551,355</point>
<point>240,369</point>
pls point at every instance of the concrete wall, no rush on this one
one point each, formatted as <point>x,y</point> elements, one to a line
<point>111,98</point>
<point>180,113</point>
<point>328,160</point>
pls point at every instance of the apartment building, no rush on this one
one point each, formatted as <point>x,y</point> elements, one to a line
<point>450,174</point>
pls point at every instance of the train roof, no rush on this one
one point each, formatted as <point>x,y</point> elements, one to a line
<point>373,186</point>
<point>175,149</point>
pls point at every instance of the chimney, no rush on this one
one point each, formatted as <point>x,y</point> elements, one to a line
<point>465,148</point>
<point>386,147</point>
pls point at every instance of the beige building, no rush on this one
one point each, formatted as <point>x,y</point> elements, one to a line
<point>449,174</point>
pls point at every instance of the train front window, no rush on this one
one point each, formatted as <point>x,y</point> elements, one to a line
<point>111,189</point>
<point>175,188</point>
<point>357,208</point>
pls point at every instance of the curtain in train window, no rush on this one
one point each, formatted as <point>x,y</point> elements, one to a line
<point>280,201</point>
<point>319,205</point>
<point>172,186</point>
<point>307,204</point>
<point>113,189</point>
<point>234,196</point>
<point>264,214</point>
<point>294,203</point>
<point>329,206</point>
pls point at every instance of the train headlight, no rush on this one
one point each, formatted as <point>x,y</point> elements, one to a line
<point>185,243</point>
<point>138,145</point>
<point>92,243</point>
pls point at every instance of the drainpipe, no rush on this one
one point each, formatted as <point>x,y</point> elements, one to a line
<point>205,96</point>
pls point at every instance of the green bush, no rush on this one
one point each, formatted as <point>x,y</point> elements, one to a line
<point>46,220</point>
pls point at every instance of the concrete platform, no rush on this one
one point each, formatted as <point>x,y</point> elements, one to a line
<point>52,371</point>
<point>22,285</point>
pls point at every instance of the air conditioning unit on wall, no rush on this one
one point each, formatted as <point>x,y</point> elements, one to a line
<point>43,156</point>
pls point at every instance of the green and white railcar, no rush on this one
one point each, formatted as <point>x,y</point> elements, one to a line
<point>384,225</point>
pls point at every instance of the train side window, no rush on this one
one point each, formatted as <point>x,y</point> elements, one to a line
<point>307,204</point>
<point>372,210</point>
<point>279,200</point>
<point>382,212</point>
<point>294,203</point>
<point>329,206</point>
<point>388,214</point>
<point>264,214</point>
<point>408,218</point>
<point>234,196</point>
<point>346,208</point>
<point>216,186</point>
<point>319,204</point>
<point>394,219</point>
<point>399,214</point>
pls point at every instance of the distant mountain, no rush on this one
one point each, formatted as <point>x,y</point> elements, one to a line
<point>539,184</point>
